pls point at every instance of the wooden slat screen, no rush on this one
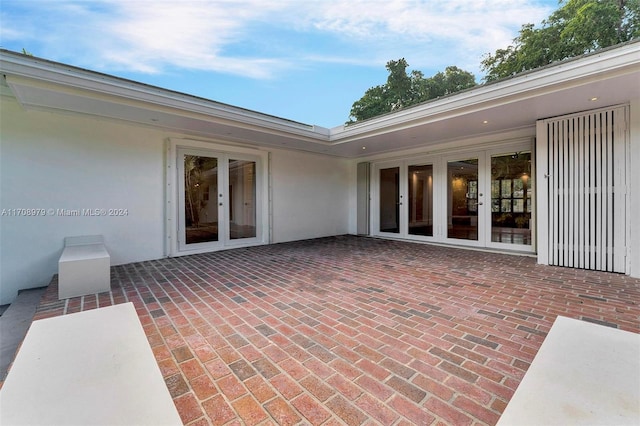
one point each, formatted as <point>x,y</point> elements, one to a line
<point>587,190</point>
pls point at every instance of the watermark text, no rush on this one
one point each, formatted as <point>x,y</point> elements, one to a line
<point>58,212</point>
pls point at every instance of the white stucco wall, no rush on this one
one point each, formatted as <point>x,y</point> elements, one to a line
<point>68,162</point>
<point>53,161</point>
<point>310,195</point>
<point>634,189</point>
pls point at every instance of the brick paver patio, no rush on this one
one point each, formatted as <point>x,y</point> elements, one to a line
<point>352,330</point>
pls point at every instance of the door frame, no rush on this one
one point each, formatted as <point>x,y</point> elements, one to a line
<point>173,148</point>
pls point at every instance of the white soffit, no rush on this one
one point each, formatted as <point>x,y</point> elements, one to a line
<point>612,76</point>
<point>38,95</point>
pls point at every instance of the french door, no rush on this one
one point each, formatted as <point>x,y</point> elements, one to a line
<point>217,200</point>
<point>404,200</point>
<point>482,199</point>
<point>465,200</point>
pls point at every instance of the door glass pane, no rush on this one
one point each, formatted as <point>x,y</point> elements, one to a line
<point>511,198</point>
<point>242,199</point>
<point>390,200</point>
<point>462,212</point>
<point>421,200</point>
<point>200,199</point>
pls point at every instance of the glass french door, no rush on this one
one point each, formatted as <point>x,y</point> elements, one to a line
<point>405,200</point>
<point>511,206</point>
<point>216,200</point>
<point>484,199</point>
<point>420,200</point>
<point>390,200</point>
<point>242,199</point>
<point>465,200</point>
<point>489,199</point>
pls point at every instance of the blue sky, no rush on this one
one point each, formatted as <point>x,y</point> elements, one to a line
<point>302,60</point>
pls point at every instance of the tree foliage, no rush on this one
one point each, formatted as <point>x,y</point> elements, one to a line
<point>404,89</point>
<point>576,28</point>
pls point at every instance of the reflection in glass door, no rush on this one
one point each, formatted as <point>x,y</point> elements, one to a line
<point>480,199</point>
<point>390,200</point>
<point>217,200</point>
<point>462,203</point>
<point>420,200</point>
<point>242,199</point>
<point>511,198</point>
<point>201,213</point>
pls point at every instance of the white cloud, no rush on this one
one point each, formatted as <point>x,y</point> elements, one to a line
<point>234,36</point>
<point>189,34</point>
<point>450,30</point>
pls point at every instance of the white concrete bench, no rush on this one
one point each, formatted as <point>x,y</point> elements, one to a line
<point>83,267</point>
<point>583,374</point>
<point>89,368</point>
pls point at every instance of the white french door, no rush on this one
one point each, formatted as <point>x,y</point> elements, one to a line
<point>403,202</point>
<point>465,200</point>
<point>509,198</point>
<point>480,199</point>
<point>390,201</point>
<point>217,200</point>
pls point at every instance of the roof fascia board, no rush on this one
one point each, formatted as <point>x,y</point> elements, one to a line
<point>70,77</point>
<point>22,86</point>
<point>572,73</point>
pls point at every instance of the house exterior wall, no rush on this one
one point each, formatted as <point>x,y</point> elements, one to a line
<point>311,196</point>
<point>69,163</point>
<point>65,163</point>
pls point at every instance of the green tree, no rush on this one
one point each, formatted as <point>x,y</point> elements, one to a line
<point>404,89</point>
<point>452,80</point>
<point>576,28</point>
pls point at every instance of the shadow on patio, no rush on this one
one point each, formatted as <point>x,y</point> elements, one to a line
<point>352,329</point>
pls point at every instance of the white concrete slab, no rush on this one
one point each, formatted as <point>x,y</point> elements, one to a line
<point>583,374</point>
<point>89,368</point>
<point>14,324</point>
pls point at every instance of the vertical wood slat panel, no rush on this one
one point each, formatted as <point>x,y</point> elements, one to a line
<point>553,151</point>
<point>571,198</point>
<point>562,167</point>
<point>610,190</point>
<point>586,191</point>
<point>592,194</point>
<point>580,166</point>
<point>599,191</point>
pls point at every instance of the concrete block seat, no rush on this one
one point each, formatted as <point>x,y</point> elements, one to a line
<point>89,368</point>
<point>83,267</point>
<point>583,374</point>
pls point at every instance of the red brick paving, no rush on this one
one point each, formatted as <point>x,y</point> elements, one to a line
<point>352,330</point>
